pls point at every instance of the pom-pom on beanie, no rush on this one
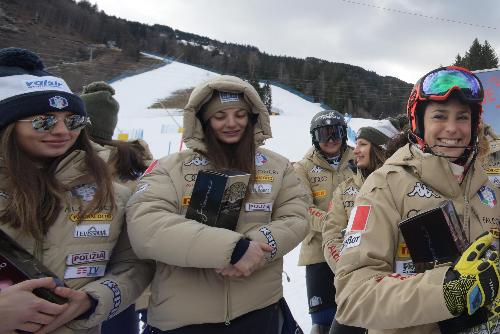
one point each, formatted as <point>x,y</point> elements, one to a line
<point>102,109</point>
<point>26,89</point>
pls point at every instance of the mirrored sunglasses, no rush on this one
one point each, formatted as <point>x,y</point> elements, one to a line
<point>44,123</point>
<point>325,133</point>
<point>438,84</point>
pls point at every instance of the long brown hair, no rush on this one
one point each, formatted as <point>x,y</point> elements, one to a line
<point>239,156</point>
<point>130,158</point>
<point>35,196</point>
<point>377,159</point>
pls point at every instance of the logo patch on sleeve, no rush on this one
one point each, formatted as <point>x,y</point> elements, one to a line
<point>266,207</point>
<point>487,196</point>
<point>352,240</point>
<point>358,218</point>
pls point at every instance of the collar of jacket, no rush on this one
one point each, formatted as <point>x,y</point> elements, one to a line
<point>318,159</point>
<point>435,171</point>
<point>193,131</point>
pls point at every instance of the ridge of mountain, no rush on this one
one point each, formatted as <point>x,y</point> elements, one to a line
<point>83,44</point>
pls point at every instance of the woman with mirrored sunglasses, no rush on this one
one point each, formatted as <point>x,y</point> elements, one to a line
<point>377,284</point>
<point>58,201</point>
<point>321,170</point>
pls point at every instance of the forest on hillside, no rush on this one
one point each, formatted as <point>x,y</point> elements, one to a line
<point>344,87</point>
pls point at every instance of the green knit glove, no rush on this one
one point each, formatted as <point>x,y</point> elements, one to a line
<point>474,280</point>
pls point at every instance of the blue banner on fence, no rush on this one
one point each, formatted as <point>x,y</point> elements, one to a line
<point>491,103</point>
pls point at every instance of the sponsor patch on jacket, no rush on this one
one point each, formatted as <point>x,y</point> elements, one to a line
<point>197,161</point>
<point>316,169</point>
<point>260,159</point>
<point>85,192</point>
<point>421,190</point>
<point>97,270</point>
<point>87,257</point>
<point>262,188</point>
<point>403,251</point>
<point>487,196</point>
<point>358,218</point>
<point>117,296</point>
<point>150,168</point>
<point>100,216</point>
<point>263,177</point>
<point>92,231</point>
<point>316,213</point>
<point>351,191</point>
<point>267,207</point>
<point>352,240</point>
<point>186,200</point>
<point>405,267</point>
<point>270,241</point>
<point>319,193</point>
<point>318,179</point>
<point>495,179</point>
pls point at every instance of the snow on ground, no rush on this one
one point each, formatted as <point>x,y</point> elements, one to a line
<point>160,129</point>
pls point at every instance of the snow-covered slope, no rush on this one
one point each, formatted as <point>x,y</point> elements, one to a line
<point>160,128</point>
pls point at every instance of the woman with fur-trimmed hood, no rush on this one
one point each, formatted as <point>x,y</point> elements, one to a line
<point>208,279</point>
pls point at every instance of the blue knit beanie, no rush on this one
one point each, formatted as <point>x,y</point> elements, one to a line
<point>26,89</point>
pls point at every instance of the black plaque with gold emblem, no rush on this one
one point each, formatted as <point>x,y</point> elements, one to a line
<point>217,197</point>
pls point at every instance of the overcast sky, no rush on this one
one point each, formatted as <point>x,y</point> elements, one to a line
<point>401,38</point>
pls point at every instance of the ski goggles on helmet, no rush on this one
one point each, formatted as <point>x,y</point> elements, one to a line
<point>325,133</point>
<point>44,123</point>
<point>438,85</point>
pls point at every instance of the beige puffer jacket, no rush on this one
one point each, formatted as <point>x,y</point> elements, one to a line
<point>319,180</point>
<point>95,255</point>
<point>337,217</point>
<point>186,289</point>
<point>375,281</point>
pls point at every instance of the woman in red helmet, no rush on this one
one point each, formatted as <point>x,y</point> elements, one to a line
<point>377,286</point>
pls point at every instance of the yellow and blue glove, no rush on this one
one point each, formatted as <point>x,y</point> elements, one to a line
<point>473,282</point>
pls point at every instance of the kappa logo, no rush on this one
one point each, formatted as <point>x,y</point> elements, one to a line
<point>421,190</point>
<point>85,192</point>
<point>58,102</point>
<point>270,241</point>
<point>316,169</point>
<point>351,191</point>
<point>197,161</point>
<point>117,296</point>
<point>260,159</point>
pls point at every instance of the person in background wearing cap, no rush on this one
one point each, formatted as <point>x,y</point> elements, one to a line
<point>128,161</point>
<point>368,156</point>
<point>321,170</point>
<point>208,279</point>
<point>59,203</point>
<point>377,285</point>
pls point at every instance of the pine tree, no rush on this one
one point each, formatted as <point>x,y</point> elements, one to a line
<point>479,57</point>
<point>267,97</point>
